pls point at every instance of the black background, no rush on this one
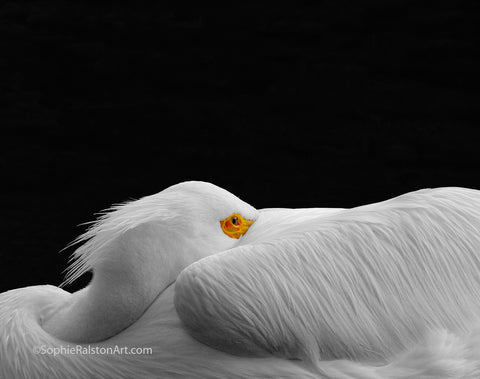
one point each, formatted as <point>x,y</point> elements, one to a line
<point>322,103</point>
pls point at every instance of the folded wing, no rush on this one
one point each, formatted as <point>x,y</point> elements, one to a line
<point>362,284</point>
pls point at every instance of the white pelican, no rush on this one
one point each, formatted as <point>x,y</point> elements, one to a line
<point>218,289</point>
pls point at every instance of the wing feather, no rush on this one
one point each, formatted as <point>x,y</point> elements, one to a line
<point>363,283</point>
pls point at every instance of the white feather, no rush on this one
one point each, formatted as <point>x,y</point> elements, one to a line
<point>388,290</point>
<point>362,284</point>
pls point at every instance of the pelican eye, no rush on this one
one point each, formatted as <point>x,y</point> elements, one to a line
<point>235,225</point>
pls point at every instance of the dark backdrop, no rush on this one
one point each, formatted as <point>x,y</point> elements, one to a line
<point>327,103</point>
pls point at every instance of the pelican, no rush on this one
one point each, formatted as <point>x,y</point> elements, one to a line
<point>193,282</point>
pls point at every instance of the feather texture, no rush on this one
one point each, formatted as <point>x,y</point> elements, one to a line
<point>360,284</point>
<point>174,354</point>
<point>384,291</point>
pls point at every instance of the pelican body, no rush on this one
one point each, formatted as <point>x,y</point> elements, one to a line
<point>192,282</point>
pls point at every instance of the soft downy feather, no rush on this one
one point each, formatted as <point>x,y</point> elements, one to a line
<point>110,224</point>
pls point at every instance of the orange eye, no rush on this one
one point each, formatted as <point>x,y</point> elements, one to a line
<point>235,225</point>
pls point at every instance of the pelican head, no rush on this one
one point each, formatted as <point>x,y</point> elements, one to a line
<point>137,249</point>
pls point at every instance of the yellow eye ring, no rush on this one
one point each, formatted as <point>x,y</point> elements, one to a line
<point>235,225</point>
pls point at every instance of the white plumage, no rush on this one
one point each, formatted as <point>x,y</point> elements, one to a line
<point>387,290</point>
